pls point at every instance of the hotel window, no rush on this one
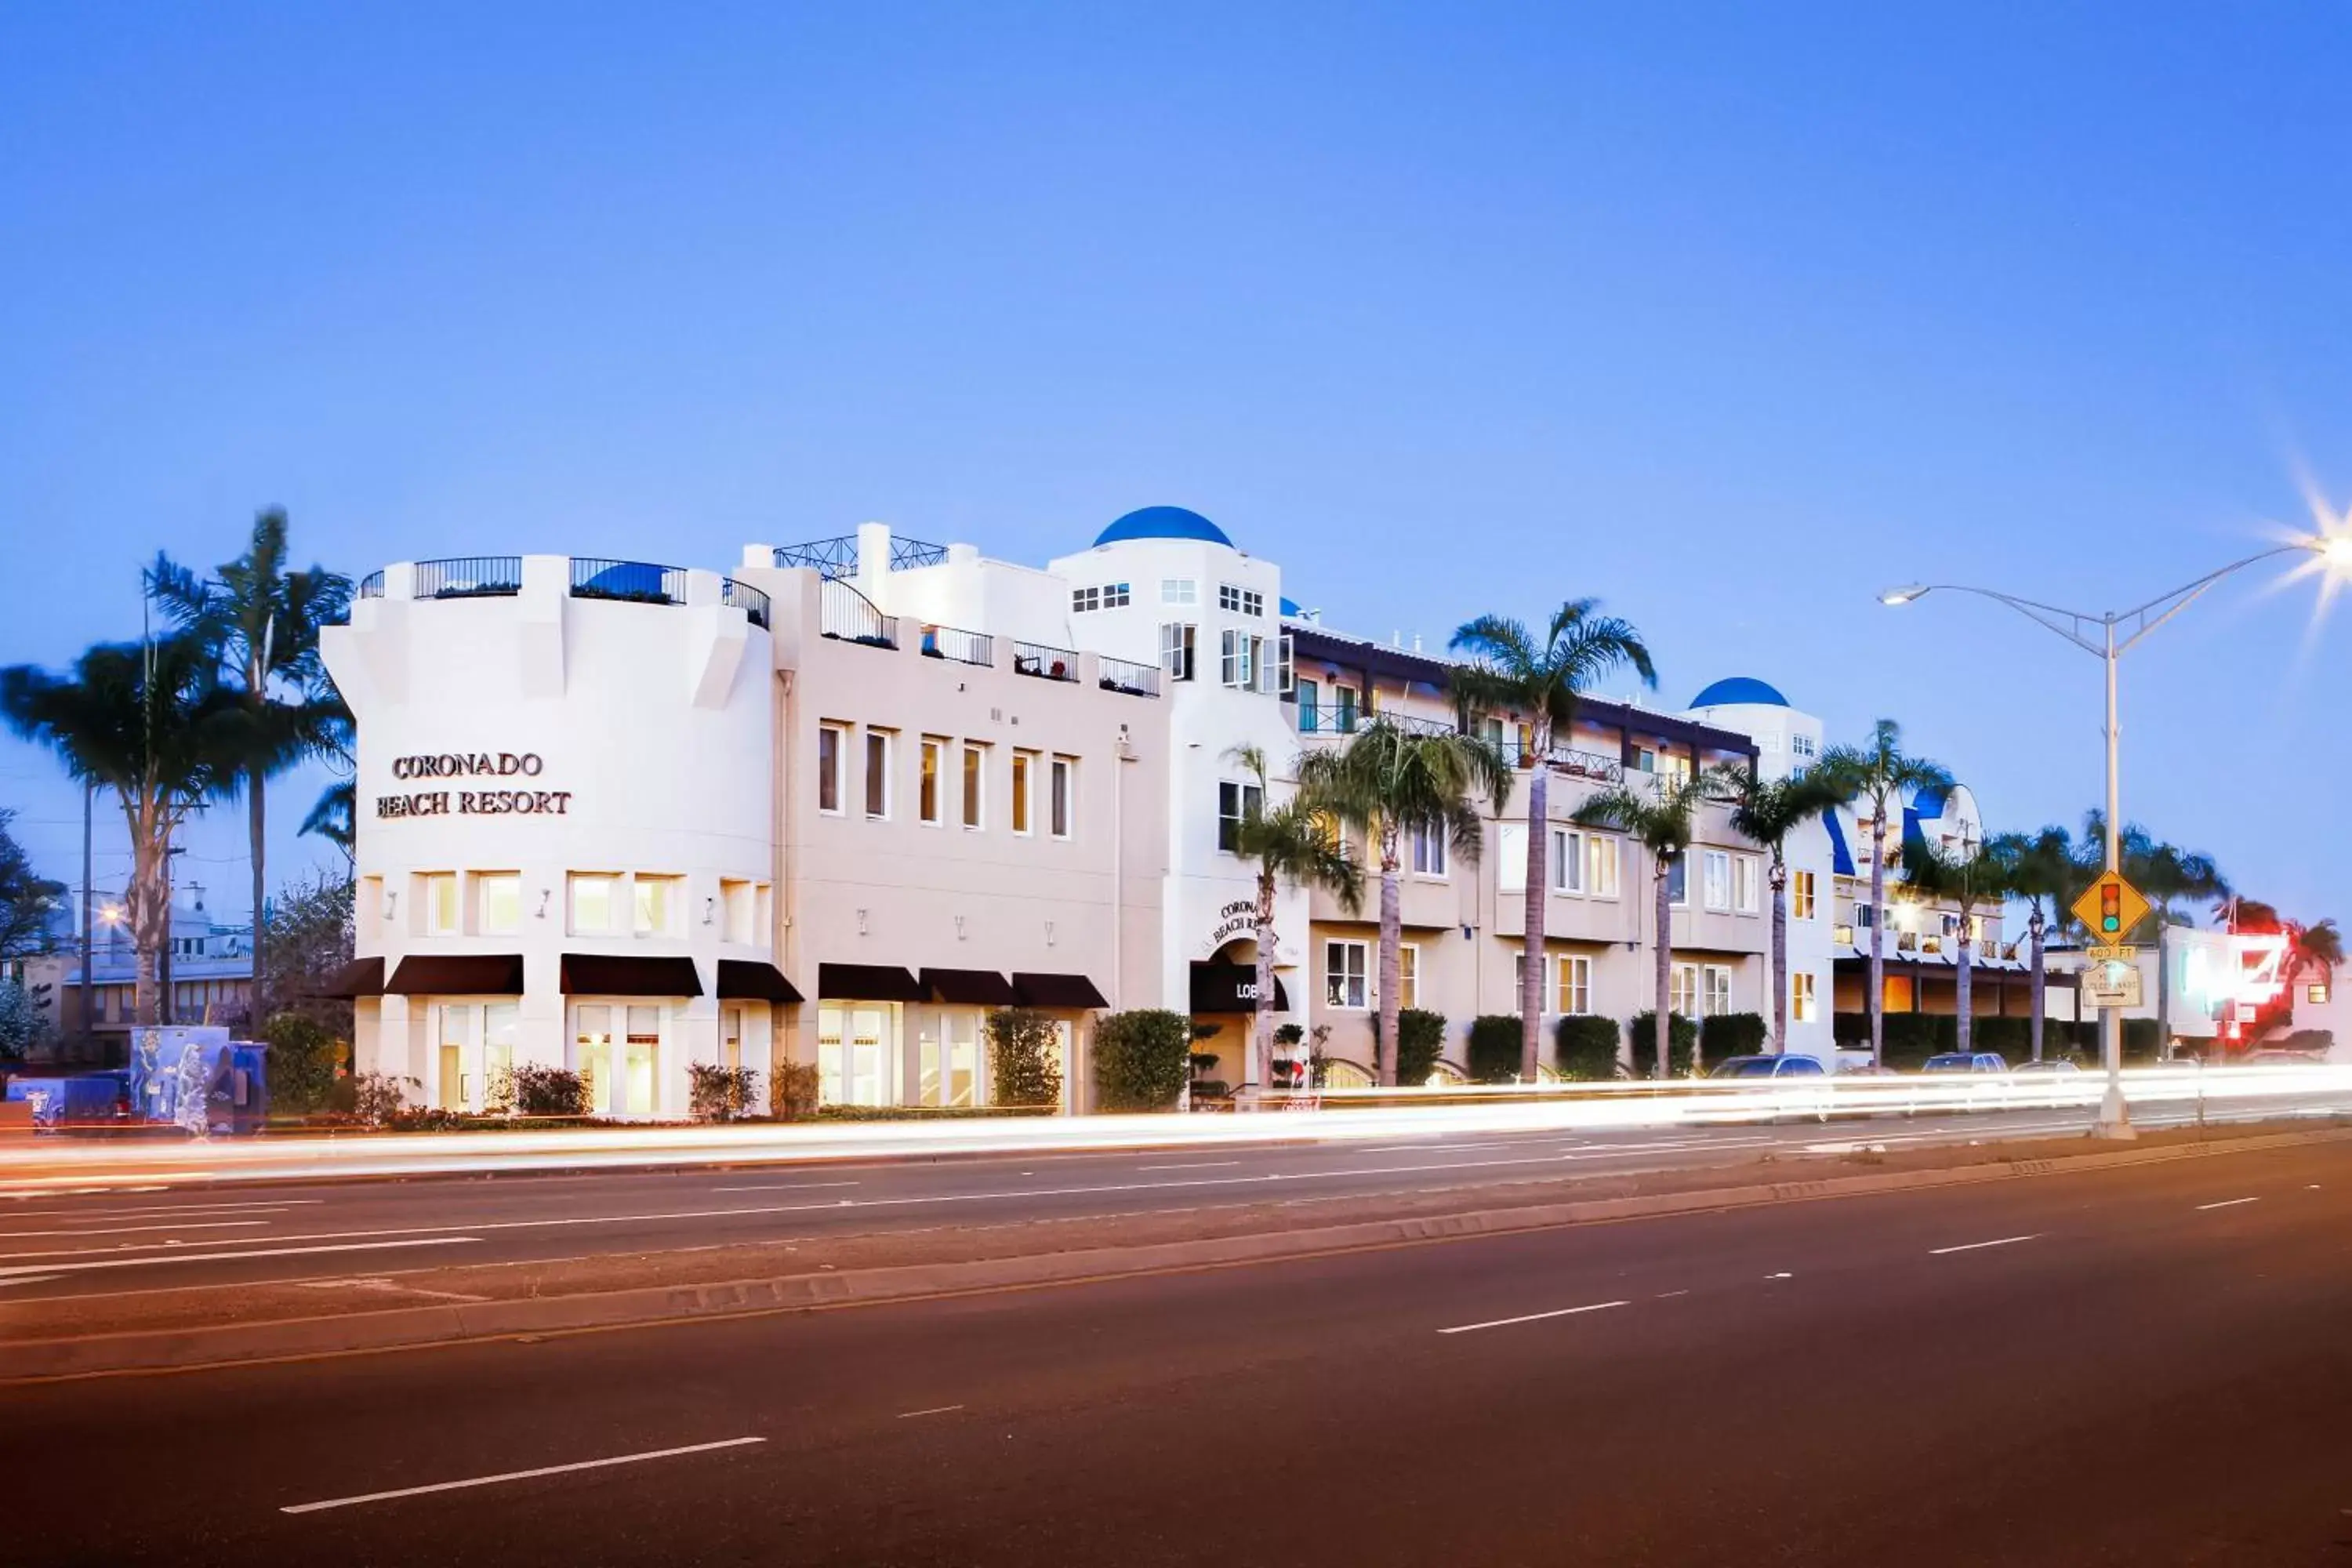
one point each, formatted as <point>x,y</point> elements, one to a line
<point>975,774</point>
<point>928,806</point>
<point>1567,860</point>
<point>1743,884</point>
<point>730,1039</point>
<point>656,901</point>
<point>828,769</point>
<point>437,895</point>
<point>1023,783</point>
<point>1601,860</point>
<point>1343,973</point>
<point>1801,996</point>
<point>1682,991</point>
<point>1109,596</point>
<point>1235,803</point>
<point>877,773</point>
<point>1510,856</point>
<point>1345,697</point>
<point>1802,892</point>
<point>1408,974</point>
<point>1429,851</point>
<point>1802,746</point>
<point>497,1054</point>
<point>1179,591</point>
<point>593,903</point>
<point>1176,647</point>
<point>1062,816</point>
<point>1285,671</point>
<point>1311,700</point>
<point>1715,879</point>
<point>1864,916</point>
<point>738,902</point>
<point>2315,994</point>
<point>1678,881</point>
<point>1718,990</point>
<point>1573,974</point>
<point>1240,601</point>
<point>497,903</point>
<point>1241,659</point>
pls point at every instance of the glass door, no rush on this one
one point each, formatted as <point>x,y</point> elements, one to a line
<point>456,1032</point>
<point>643,1048</point>
<point>593,1055</point>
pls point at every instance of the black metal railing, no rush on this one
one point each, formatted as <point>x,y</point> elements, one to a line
<point>844,613</point>
<point>469,578</point>
<point>1135,679</point>
<point>746,598</point>
<point>371,585</point>
<point>955,643</point>
<point>1045,661</point>
<point>838,557</point>
<point>632,582</point>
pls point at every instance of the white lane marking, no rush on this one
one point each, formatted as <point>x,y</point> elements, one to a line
<point>53,1269</point>
<point>1530,1318</point>
<point>29,1279</point>
<point>1779,1277</point>
<point>86,1212</point>
<point>1190,1165</point>
<point>1977,1246</point>
<point>2226,1203</point>
<point>520,1475</point>
<point>129,1229</point>
<point>789,1187</point>
<point>1663,1295</point>
<point>934,1410</point>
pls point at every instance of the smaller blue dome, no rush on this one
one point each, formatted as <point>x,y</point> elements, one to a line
<point>1739,689</point>
<point>1289,608</point>
<point>1163,522</point>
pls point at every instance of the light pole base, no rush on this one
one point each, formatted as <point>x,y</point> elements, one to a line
<point>2115,1118</point>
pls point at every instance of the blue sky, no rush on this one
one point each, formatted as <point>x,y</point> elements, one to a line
<point>1731,316</point>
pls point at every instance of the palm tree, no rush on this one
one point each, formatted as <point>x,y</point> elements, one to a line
<point>1662,820</point>
<point>2166,874</point>
<point>1386,782</point>
<point>2043,871</point>
<point>1766,812</point>
<point>1541,681</point>
<point>1883,775</point>
<point>1296,843</point>
<point>1964,880</point>
<point>2313,948</point>
<point>151,722</point>
<point>260,621</point>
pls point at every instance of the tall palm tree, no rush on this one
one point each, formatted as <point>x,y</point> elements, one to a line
<point>1766,812</point>
<point>1884,774</point>
<point>2167,875</point>
<point>1663,820</point>
<point>1964,878</point>
<point>1541,680</point>
<point>260,621</point>
<point>151,722</point>
<point>1386,782</point>
<point>1298,843</point>
<point>2041,869</point>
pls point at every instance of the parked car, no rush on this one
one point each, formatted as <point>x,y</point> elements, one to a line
<point>1966,1061</point>
<point>1792,1069</point>
<point>1988,1067</point>
<point>2048,1067</point>
<point>2048,1084</point>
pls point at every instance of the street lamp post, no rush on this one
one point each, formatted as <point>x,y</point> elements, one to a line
<point>2078,626</point>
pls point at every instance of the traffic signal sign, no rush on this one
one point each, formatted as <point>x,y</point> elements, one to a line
<point>2109,908</point>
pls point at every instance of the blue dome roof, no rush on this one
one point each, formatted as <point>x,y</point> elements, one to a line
<point>1739,689</point>
<point>1163,522</point>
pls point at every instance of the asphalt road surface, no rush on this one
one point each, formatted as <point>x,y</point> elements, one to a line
<point>2138,1365</point>
<point>165,1238</point>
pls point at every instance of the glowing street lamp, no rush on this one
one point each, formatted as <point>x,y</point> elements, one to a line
<point>2108,636</point>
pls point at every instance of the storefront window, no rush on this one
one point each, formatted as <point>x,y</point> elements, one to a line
<point>592,1058</point>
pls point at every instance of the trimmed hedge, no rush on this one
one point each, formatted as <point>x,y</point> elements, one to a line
<point>1494,1048</point>
<point>1731,1035</point>
<point>1421,1040</point>
<point>1586,1047</point>
<point>1024,1057</point>
<point>1913,1038</point>
<point>1682,1038</point>
<point>1143,1059</point>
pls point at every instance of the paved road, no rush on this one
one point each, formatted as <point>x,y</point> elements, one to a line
<point>2141,1365</point>
<point>101,1243</point>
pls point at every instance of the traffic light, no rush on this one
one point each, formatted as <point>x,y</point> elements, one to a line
<point>2111,909</point>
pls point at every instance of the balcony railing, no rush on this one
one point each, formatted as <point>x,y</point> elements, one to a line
<point>1045,661</point>
<point>746,598</point>
<point>955,643</point>
<point>469,578</point>
<point>838,557</point>
<point>633,582</point>
<point>1135,679</point>
<point>371,585</point>
<point>844,613</point>
<point>1326,721</point>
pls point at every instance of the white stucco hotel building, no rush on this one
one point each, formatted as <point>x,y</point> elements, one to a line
<point>836,803</point>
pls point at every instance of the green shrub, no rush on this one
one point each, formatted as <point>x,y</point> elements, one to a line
<point>303,1058</point>
<point>1730,1035</point>
<point>1586,1047</point>
<point>1851,1030</point>
<point>1421,1040</point>
<point>792,1091</point>
<point>542,1090</point>
<point>719,1093</point>
<point>2012,1037</point>
<point>1682,1038</point>
<point>379,1099</point>
<point>2141,1042</point>
<point>1025,1058</point>
<point>1494,1047</point>
<point>1142,1059</point>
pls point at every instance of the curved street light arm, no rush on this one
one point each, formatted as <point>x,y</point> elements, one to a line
<point>2067,624</point>
<point>2164,606</point>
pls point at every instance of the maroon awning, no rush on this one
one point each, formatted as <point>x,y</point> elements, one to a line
<point>458,974</point>
<point>606,974</point>
<point>748,980</point>
<point>868,982</point>
<point>1067,991</point>
<point>969,987</point>
<point>360,977</point>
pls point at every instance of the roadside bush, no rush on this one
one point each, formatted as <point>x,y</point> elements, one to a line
<point>1586,1047</point>
<point>303,1056</point>
<point>1493,1050</point>
<point>542,1090</point>
<point>1022,1058</point>
<point>718,1093</point>
<point>1421,1040</point>
<point>2012,1037</point>
<point>2141,1042</point>
<point>1143,1058</point>
<point>1730,1035</point>
<point>792,1090</point>
<point>378,1099</point>
<point>1681,1040</point>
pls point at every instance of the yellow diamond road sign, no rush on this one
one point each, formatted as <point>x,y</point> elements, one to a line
<point>2109,908</point>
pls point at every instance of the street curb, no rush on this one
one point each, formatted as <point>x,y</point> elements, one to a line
<point>408,1328</point>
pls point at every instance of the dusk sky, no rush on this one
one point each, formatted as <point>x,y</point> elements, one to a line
<point>1730,316</point>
